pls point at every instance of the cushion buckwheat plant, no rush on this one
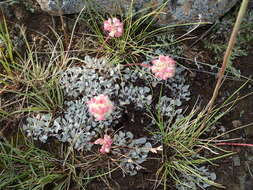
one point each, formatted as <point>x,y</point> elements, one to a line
<point>96,97</point>
<point>136,152</point>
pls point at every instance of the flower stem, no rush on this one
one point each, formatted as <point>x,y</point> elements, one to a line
<point>102,46</point>
<point>234,144</point>
<point>137,64</point>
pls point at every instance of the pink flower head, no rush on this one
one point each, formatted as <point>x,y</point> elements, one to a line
<point>164,67</point>
<point>100,106</point>
<point>114,27</point>
<point>106,143</point>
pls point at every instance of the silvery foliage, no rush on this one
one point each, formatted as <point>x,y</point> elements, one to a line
<point>178,89</point>
<point>168,41</point>
<point>177,92</point>
<point>131,152</point>
<point>193,183</point>
<point>97,77</point>
<point>89,80</point>
<point>38,126</point>
<point>124,86</point>
<point>75,125</point>
<point>78,127</point>
<point>169,106</point>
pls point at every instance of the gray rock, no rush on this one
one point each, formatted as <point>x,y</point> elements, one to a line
<point>174,11</point>
<point>60,7</point>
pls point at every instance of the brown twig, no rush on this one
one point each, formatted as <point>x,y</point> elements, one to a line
<point>227,55</point>
<point>102,46</point>
<point>64,28</point>
<point>228,52</point>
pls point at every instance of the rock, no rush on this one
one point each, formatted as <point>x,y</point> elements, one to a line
<point>60,7</point>
<point>174,11</point>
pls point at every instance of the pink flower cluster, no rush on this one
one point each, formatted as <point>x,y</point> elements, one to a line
<point>100,106</point>
<point>106,143</point>
<point>114,27</point>
<point>164,67</point>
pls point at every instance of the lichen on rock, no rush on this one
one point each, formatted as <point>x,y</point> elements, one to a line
<point>175,11</point>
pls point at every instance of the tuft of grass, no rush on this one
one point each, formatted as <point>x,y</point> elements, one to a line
<point>187,145</point>
<point>185,148</point>
<point>138,38</point>
<point>10,67</point>
<point>25,166</point>
<point>32,77</point>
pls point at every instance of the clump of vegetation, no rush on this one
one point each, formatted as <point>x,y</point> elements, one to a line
<point>82,110</point>
<point>183,157</point>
